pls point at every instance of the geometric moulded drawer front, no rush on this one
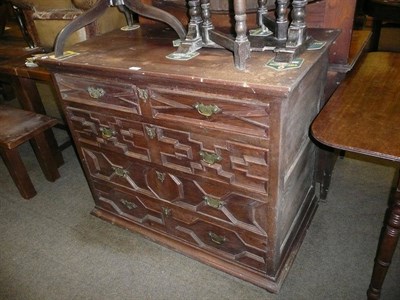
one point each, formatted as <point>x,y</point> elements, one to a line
<point>225,112</point>
<point>225,243</point>
<point>233,159</point>
<point>204,198</point>
<point>99,92</point>
<point>109,132</point>
<point>134,207</point>
<point>227,158</point>
<point>241,247</point>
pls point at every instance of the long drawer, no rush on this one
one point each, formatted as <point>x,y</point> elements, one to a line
<point>208,199</point>
<point>237,245</point>
<point>234,159</point>
<point>170,103</point>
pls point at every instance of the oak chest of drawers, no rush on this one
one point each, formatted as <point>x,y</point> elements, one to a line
<point>213,162</point>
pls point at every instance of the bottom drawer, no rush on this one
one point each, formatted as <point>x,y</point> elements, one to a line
<point>242,247</point>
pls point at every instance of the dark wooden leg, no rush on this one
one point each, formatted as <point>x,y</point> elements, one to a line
<point>376,34</point>
<point>18,172</point>
<point>297,28</point>
<point>282,22</point>
<point>3,16</point>
<point>241,49</point>
<point>22,24</point>
<point>157,14</point>
<point>386,247</point>
<point>326,158</point>
<point>29,98</point>
<point>45,157</point>
<point>88,17</point>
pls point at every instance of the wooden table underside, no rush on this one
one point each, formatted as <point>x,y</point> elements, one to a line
<point>363,116</point>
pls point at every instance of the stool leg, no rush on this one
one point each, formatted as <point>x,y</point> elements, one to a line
<point>18,172</point>
<point>45,156</point>
<point>376,34</point>
<point>30,99</point>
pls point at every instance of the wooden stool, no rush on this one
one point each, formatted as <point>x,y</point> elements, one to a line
<point>16,127</point>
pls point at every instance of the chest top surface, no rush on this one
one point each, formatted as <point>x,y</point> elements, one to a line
<point>143,53</point>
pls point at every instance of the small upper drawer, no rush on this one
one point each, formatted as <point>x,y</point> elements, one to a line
<point>228,113</point>
<point>99,92</point>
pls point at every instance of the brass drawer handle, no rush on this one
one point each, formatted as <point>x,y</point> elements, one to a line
<point>129,205</point>
<point>207,110</point>
<point>215,203</point>
<point>120,171</point>
<point>210,158</point>
<point>96,93</point>
<point>217,239</point>
<point>107,133</point>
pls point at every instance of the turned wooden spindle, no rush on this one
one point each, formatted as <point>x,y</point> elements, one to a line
<point>387,247</point>
<point>207,24</point>
<point>299,13</point>
<point>297,30</point>
<point>241,47</point>
<point>282,21</point>
<point>240,18</point>
<point>261,11</point>
<point>206,14</point>
<point>195,20</point>
<point>194,11</point>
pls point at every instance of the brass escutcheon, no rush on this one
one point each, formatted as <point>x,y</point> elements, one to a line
<point>107,133</point>
<point>166,211</point>
<point>120,171</point>
<point>215,203</point>
<point>210,158</point>
<point>207,110</point>
<point>96,93</point>
<point>151,132</point>
<point>160,176</point>
<point>143,94</point>
<point>217,239</point>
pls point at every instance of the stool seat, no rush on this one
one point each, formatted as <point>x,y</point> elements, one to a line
<point>18,126</point>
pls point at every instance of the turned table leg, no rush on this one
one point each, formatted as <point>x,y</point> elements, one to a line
<point>386,247</point>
